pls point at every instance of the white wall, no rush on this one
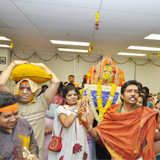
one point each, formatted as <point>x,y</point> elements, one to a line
<point>148,74</point>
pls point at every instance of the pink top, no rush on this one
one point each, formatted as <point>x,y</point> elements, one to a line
<point>57,100</point>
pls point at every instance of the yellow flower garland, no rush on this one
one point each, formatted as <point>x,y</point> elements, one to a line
<point>99,100</point>
<point>109,101</point>
<point>102,110</point>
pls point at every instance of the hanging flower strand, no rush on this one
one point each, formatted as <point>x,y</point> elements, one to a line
<point>99,100</point>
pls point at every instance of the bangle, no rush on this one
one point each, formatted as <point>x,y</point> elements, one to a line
<point>89,128</point>
<point>14,63</point>
<point>74,113</point>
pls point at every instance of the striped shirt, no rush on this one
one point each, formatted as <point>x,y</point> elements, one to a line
<point>35,113</point>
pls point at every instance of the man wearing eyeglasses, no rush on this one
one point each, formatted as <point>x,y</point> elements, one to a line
<point>32,108</point>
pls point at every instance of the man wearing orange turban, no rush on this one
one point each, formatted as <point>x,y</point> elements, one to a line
<point>14,137</point>
<point>71,80</point>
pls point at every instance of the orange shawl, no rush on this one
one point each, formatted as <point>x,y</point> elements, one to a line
<point>123,133</point>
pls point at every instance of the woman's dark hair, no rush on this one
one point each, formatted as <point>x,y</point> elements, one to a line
<point>144,94</point>
<point>70,84</point>
<point>60,89</point>
<point>146,89</point>
<point>144,99</point>
<point>7,99</point>
<point>125,85</point>
<point>69,88</point>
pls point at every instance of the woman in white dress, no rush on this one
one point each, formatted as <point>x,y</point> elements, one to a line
<point>74,135</point>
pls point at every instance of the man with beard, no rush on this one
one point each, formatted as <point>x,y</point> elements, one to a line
<point>31,107</point>
<point>127,131</point>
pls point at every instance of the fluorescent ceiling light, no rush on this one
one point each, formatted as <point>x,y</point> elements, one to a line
<point>4,45</point>
<point>131,54</point>
<point>144,48</point>
<point>2,38</point>
<point>153,37</point>
<point>72,50</point>
<point>70,43</point>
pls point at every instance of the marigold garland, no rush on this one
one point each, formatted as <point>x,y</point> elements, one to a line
<point>111,96</point>
<point>102,110</point>
<point>99,99</point>
<point>57,55</point>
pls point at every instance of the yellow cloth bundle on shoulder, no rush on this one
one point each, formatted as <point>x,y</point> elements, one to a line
<point>33,72</point>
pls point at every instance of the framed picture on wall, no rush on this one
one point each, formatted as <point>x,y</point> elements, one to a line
<point>2,60</point>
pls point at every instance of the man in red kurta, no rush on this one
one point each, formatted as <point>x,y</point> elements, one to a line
<point>127,131</point>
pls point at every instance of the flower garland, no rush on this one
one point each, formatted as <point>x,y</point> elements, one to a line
<point>102,110</point>
<point>109,101</point>
<point>99,100</point>
<point>91,103</point>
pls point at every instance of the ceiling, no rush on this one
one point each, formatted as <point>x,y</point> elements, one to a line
<point>33,23</point>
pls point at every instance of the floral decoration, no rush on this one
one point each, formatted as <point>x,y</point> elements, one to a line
<point>85,156</point>
<point>88,74</point>
<point>99,100</point>
<point>77,148</point>
<point>121,76</point>
<point>110,100</point>
<point>91,103</point>
<point>61,158</point>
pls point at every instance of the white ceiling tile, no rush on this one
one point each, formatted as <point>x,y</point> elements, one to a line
<point>56,10</point>
<point>148,7</point>
<point>77,3</point>
<point>7,6</point>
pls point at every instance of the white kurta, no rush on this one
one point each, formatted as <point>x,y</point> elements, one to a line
<point>75,134</point>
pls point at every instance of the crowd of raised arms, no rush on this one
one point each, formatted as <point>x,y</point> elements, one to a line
<point>56,122</point>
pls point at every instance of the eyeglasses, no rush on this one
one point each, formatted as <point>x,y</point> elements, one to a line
<point>23,88</point>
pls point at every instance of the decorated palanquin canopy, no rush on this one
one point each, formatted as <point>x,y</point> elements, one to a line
<point>105,72</point>
<point>103,86</point>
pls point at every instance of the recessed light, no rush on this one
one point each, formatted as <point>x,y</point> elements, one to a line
<point>153,37</point>
<point>2,38</point>
<point>144,48</point>
<point>72,50</point>
<point>70,43</point>
<point>131,54</point>
<point>5,45</point>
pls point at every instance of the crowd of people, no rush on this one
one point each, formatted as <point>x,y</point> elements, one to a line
<point>33,114</point>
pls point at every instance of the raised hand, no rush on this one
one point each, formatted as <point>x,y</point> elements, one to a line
<point>38,64</point>
<point>17,62</point>
<point>82,114</point>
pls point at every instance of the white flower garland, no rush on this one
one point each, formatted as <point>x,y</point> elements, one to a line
<point>91,103</point>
